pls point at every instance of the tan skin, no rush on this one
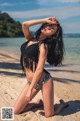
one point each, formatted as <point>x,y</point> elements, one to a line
<point>29,92</point>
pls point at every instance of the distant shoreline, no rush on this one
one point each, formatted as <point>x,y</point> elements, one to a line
<point>64,35</point>
<point>72,35</point>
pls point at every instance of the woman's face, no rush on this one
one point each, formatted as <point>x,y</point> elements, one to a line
<point>49,30</point>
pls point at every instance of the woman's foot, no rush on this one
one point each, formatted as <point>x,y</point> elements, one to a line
<point>61,106</point>
<point>39,103</point>
<point>65,105</point>
<point>62,102</point>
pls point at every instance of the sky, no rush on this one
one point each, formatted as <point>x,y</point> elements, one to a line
<point>66,11</point>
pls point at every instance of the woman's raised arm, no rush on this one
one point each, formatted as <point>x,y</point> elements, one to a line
<point>39,70</point>
<point>40,66</point>
<point>27,24</point>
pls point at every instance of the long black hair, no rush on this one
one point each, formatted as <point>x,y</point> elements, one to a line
<point>55,45</point>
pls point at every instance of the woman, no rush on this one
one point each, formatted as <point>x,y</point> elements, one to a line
<point>47,45</point>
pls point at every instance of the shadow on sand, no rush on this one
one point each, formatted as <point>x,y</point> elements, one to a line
<point>12,66</point>
<point>74,107</point>
<point>61,65</point>
<point>7,65</point>
<point>17,66</point>
<point>57,70</point>
<point>63,80</point>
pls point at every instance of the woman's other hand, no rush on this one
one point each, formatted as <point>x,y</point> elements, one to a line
<point>28,94</point>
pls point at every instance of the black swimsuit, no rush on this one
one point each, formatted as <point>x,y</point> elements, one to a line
<point>29,56</point>
<point>29,59</point>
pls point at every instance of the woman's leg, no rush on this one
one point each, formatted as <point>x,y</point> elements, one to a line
<point>48,97</point>
<point>22,102</point>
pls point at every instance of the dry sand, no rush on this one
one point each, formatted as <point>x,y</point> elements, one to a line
<point>66,84</point>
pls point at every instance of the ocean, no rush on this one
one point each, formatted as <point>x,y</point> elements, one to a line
<point>72,48</point>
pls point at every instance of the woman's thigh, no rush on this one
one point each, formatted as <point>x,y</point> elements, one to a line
<point>48,97</point>
<point>22,101</point>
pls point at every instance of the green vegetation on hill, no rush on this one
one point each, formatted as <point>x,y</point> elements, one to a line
<point>9,27</point>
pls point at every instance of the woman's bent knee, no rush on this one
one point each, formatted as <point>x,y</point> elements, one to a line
<point>16,111</point>
<point>19,107</point>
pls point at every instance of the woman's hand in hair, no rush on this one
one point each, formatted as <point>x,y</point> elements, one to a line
<point>51,20</point>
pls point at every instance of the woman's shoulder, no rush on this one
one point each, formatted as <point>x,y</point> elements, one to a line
<point>43,47</point>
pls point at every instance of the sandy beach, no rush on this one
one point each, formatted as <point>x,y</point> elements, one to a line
<point>66,87</point>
